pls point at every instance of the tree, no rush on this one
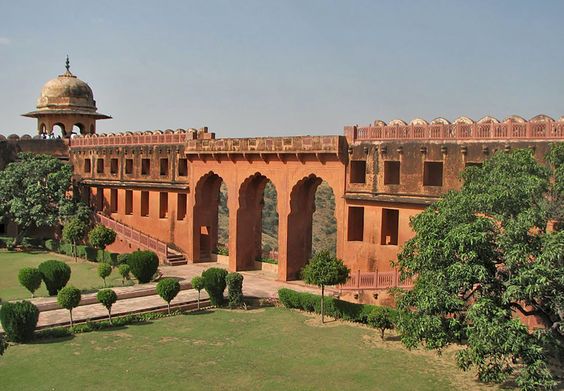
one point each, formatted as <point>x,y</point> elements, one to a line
<point>104,270</point>
<point>107,297</point>
<point>324,269</point>
<point>74,231</point>
<point>18,320</point>
<point>214,284</point>
<point>382,318</point>
<point>198,284</point>
<point>30,278</point>
<point>143,265</point>
<point>168,288</point>
<point>101,237</point>
<point>482,257</point>
<point>55,274</point>
<point>69,298</point>
<point>124,270</point>
<point>34,192</point>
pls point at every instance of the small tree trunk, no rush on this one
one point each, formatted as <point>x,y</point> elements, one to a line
<point>110,314</point>
<point>74,251</point>
<point>322,300</point>
<point>168,304</point>
<point>382,335</point>
<point>70,316</point>
<point>104,281</point>
<point>198,300</point>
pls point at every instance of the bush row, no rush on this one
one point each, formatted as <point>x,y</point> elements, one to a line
<point>86,252</point>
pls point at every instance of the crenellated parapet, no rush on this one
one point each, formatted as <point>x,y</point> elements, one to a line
<point>540,127</point>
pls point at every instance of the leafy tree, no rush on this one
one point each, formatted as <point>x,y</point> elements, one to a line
<point>100,236</point>
<point>107,297</point>
<point>74,231</point>
<point>382,318</point>
<point>69,298</point>
<point>34,192</point>
<point>324,269</point>
<point>483,256</point>
<point>168,288</point>
<point>124,270</point>
<point>104,270</point>
<point>19,320</point>
<point>198,284</point>
<point>30,278</point>
<point>55,274</point>
<point>143,265</point>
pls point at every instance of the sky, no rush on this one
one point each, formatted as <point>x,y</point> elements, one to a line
<point>268,68</point>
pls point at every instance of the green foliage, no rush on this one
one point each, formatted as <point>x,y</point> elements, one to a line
<point>214,284</point>
<point>103,256</point>
<point>101,237</point>
<point>168,288</point>
<point>69,298</point>
<point>143,265</point>
<point>122,258</point>
<point>19,320</point>
<point>10,244</point>
<point>107,297</point>
<point>234,283</point>
<point>382,318</point>
<point>66,248</point>
<point>104,270</point>
<point>222,251</point>
<point>198,284</point>
<point>74,231</point>
<point>3,344</point>
<point>52,245</point>
<point>124,271</point>
<point>268,260</point>
<point>55,274</point>
<point>481,253</point>
<point>30,278</point>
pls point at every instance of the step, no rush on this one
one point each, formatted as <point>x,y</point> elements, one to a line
<point>177,262</point>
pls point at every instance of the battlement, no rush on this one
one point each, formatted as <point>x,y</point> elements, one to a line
<point>540,127</point>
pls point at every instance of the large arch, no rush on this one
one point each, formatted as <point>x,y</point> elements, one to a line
<point>205,220</point>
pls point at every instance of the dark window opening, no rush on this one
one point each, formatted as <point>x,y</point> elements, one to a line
<point>182,167</point>
<point>390,226</point>
<point>144,203</point>
<point>164,167</point>
<point>87,166</point>
<point>433,174</point>
<point>113,200</point>
<point>129,166</point>
<point>358,171</point>
<point>181,207</point>
<point>145,166</point>
<point>473,164</point>
<point>2,228</point>
<point>113,166</point>
<point>356,224</point>
<point>100,166</point>
<point>128,202</point>
<point>391,173</point>
<point>163,205</point>
<point>99,198</point>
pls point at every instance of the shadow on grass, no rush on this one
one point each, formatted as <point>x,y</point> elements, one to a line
<point>198,312</point>
<point>51,339</point>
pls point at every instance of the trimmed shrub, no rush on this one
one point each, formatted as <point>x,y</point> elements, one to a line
<point>104,270</point>
<point>19,320</point>
<point>214,284</point>
<point>81,251</point>
<point>382,318</point>
<point>91,253</point>
<point>143,265</point>
<point>65,248</point>
<point>52,245</point>
<point>100,256</point>
<point>198,284</point>
<point>100,236</point>
<point>30,278</point>
<point>168,288</point>
<point>107,297</point>
<point>122,258</point>
<point>124,270</point>
<point>69,298</point>
<point>10,244</point>
<point>55,274</point>
<point>234,289</point>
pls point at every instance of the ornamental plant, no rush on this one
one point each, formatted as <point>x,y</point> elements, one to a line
<point>168,288</point>
<point>124,270</point>
<point>143,265</point>
<point>198,284</point>
<point>104,270</point>
<point>30,278</point>
<point>382,318</point>
<point>214,284</point>
<point>69,298</point>
<point>107,297</point>
<point>100,236</point>
<point>55,274</point>
<point>73,232</point>
<point>234,289</point>
<point>19,320</point>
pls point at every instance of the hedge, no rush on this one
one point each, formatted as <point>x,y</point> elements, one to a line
<point>19,320</point>
<point>214,284</point>
<point>65,248</point>
<point>52,245</point>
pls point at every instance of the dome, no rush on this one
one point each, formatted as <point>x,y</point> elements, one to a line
<point>66,91</point>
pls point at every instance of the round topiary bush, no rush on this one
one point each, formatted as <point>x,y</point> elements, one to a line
<point>69,298</point>
<point>168,288</point>
<point>55,274</point>
<point>104,270</point>
<point>30,278</point>
<point>124,270</point>
<point>101,237</point>
<point>198,284</point>
<point>143,265</point>
<point>107,297</point>
<point>19,320</point>
<point>234,289</point>
<point>214,284</point>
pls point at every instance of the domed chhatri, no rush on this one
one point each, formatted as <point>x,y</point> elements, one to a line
<point>66,101</point>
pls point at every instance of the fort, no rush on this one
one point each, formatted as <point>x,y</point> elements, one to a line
<point>160,189</point>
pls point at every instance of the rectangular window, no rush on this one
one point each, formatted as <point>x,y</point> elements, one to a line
<point>128,202</point>
<point>164,167</point>
<point>356,224</point>
<point>99,198</point>
<point>113,200</point>
<point>358,171</point>
<point>181,207</point>
<point>390,226</point>
<point>129,166</point>
<point>391,172</point>
<point>473,164</point>
<point>163,205</point>
<point>182,167</point>
<point>145,166</point>
<point>87,166</point>
<point>100,166</point>
<point>433,174</point>
<point>113,166</point>
<point>145,203</point>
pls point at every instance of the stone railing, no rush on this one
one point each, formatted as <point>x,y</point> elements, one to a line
<point>375,281</point>
<point>131,139</point>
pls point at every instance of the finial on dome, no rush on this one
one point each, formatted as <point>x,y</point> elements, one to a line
<point>67,64</point>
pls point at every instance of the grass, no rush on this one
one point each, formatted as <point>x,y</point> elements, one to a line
<point>265,349</point>
<point>84,274</point>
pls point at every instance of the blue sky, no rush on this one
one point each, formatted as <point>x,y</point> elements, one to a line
<point>257,68</point>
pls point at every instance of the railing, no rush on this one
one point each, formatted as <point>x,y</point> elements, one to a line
<point>132,139</point>
<point>375,280</point>
<point>461,131</point>
<point>159,247</point>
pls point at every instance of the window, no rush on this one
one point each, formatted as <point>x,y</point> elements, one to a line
<point>390,226</point>
<point>358,171</point>
<point>87,166</point>
<point>100,166</point>
<point>433,174</point>
<point>145,203</point>
<point>145,166</point>
<point>99,198</point>
<point>128,202</point>
<point>182,167</point>
<point>164,167</point>
<point>113,166</point>
<point>356,224</point>
<point>129,166</point>
<point>163,205</point>
<point>391,172</point>
<point>473,164</point>
<point>181,207</point>
<point>113,200</point>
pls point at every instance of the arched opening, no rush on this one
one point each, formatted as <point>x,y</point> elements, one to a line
<point>311,223</point>
<point>77,129</point>
<point>43,130</point>
<point>58,131</point>
<point>206,217</point>
<point>250,220</point>
<point>222,247</point>
<point>269,224</point>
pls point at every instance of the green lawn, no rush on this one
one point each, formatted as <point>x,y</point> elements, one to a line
<point>84,274</point>
<point>271,349</point>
